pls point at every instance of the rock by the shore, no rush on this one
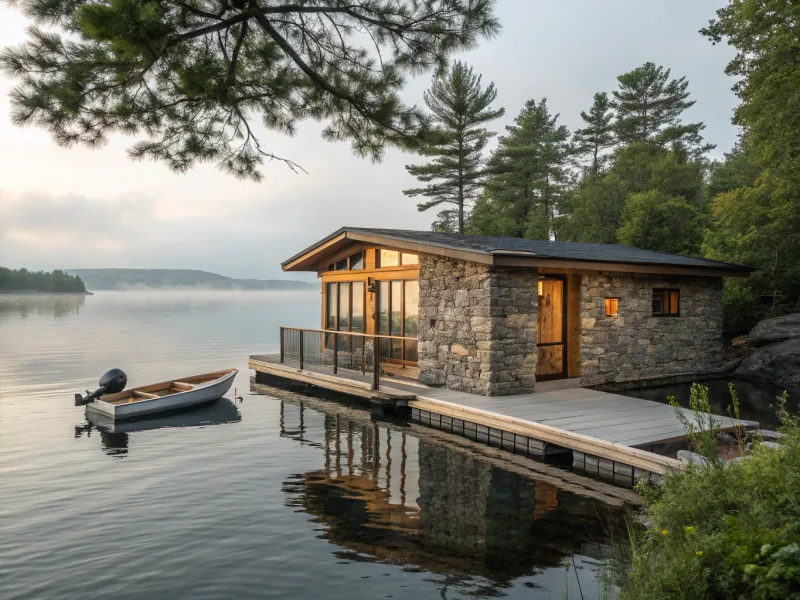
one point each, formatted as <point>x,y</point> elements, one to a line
<point>776,329</point>
<point>778,363</point>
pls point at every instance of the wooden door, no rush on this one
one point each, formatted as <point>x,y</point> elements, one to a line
<point>551,330</point>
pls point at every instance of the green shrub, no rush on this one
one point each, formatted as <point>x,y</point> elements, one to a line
<point>730,532</point>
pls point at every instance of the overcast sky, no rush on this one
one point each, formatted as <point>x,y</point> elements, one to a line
<point>74,207</point>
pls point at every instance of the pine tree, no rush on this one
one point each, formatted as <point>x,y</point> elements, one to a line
<point>193,76</point>
<point>649,105</point>
<point>531,173</point>
<point>457,173</point>
<point>598,135</point>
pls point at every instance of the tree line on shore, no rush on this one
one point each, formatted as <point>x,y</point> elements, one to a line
<point>23,280</point>
<point>636,172</point>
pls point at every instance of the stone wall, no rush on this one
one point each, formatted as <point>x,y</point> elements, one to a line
<point>477,326</point>
<point>635,344</point>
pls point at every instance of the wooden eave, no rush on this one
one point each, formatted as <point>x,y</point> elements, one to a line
<point>312,258</point>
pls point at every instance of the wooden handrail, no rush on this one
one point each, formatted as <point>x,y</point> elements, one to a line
<point>355,333</point>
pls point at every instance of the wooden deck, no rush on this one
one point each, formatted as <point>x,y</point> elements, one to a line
<point>592,423</point>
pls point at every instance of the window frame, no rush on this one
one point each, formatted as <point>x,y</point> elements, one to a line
<point>400,264</point>
<point>666,302</point>
<point>607,303</point>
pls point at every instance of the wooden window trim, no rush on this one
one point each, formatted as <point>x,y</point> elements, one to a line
<point>609,302</point>
<point>666,305</point>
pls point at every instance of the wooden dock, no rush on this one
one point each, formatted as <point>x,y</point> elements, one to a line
<point>605,432</point>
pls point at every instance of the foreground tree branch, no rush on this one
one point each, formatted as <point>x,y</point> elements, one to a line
<point>190,76</point>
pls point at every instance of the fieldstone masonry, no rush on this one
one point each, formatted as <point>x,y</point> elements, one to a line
<point>477,330</point>
<point>635,344</point>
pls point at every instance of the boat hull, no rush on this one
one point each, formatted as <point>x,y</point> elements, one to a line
<point>195,397</point>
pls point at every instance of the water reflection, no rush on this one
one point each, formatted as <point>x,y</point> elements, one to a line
<point>43,305</point>
<point>388,493</point>
<point>114,435</point>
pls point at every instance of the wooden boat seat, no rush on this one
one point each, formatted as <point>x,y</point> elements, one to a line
<point>184,387</point>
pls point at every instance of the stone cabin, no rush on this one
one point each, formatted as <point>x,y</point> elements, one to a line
<point>493,315</point>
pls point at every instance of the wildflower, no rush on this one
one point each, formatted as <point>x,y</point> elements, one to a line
<point>664,532</point>
<point>689,529</point>
<point>699,553</point>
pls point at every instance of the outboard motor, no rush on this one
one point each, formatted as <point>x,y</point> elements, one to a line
<point>111,382</point>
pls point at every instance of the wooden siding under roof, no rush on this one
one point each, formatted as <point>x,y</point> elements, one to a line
<point>564,257</point>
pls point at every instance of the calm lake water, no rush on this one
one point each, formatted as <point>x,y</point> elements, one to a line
<point>276,494</point>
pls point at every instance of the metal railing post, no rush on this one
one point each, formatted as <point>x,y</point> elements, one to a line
<point>375,363</point>
<point>282,346</point>
<point>335,353</point>
<point>301,348</point>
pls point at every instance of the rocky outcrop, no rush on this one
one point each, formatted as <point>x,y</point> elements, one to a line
<point>773,330</point>
<point>778,363</point>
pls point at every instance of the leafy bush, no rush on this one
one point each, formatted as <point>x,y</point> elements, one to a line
<point>731,532</point>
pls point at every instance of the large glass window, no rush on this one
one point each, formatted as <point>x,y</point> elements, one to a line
<point>357,307</point>
<point>344,307</point>
<point>330,306</point>
<point>411,318</point>
<point>397,318</point>
<point>398,315</point>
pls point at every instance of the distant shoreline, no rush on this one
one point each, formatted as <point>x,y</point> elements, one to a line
<point>43,293</point>
<point>179,279</point>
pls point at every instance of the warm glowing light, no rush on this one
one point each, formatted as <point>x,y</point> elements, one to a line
<point>541,288</point>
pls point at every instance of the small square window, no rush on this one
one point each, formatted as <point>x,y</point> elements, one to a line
<point>666,303</point>
<point>341,265</point>
<point>612,306</point>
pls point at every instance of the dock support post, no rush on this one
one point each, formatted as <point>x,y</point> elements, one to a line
<point>282,347</point>
<point>302,335</point>
<point>335,354</point>
<point>375,363</point>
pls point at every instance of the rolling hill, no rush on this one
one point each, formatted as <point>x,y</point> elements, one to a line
<point>134,279</point>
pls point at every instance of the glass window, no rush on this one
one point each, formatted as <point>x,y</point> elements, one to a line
<point>397,317</point>
<point>341,265</point>
<point>383,307</point>
<point>330,306</point>
<point>612,306</point>
<point>357,261</point>
<point>409,259</point>
<point>357,314</point>
<point>411,319</point>
<point>331,267</point>
<point>666,303</point>
<point>387,258</point>
<point>344,307</point>
<point>383,316</point>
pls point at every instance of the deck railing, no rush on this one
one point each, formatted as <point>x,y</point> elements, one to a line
<point>346,350</point>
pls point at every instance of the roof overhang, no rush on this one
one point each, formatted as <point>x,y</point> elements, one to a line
<point>310,258</point>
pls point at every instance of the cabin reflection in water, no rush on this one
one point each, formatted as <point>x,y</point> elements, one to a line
<point>389,496</point>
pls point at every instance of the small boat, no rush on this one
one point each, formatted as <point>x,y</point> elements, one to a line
<point>161,397</point>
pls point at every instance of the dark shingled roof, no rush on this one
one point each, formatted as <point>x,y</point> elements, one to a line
<point>578,251</point>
